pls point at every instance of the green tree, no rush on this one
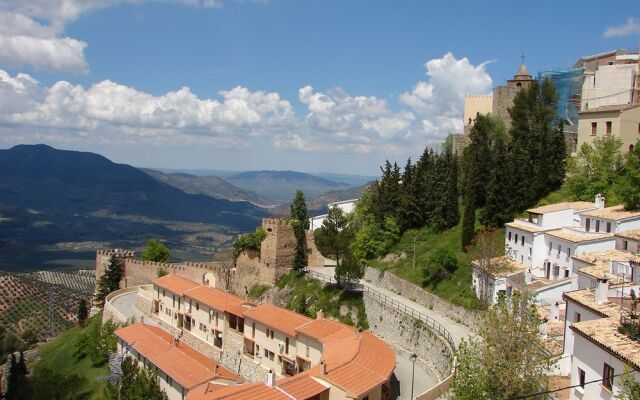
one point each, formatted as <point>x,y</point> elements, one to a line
<point>83,313</point>
<point>372,241</point>
<point>508,360</point>
<point>29,337</point>
<point>109,281</point>
<point>440,265</point>
<point>300,223</point>
<point>629,387</point>
<point>249,241</point>
<point>155,251</point>
<point>11,343</point>
<point>497,211</point>
<point>334,237</point>
<point>468,221</point>
<point>628,186</point>
<point>349,271</point>
<point>299,209</point>
<point>96,341</point>
<point>595,169</point>
<point>138,383</point>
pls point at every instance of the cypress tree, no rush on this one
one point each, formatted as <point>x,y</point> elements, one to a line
<point>451,208</point>
<point>299,209</point>
<point>468,221</point>
<point>498,209</point>
<point>300,223</point>
<point>109,281</point>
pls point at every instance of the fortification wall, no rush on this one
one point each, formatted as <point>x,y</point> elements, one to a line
<point>314,258</point>
<point>503,97</point>
<point>407,289</point>
<point>139,272</point>
<point>247,271</point>
<point>102,259</point>
<point>278,249</point>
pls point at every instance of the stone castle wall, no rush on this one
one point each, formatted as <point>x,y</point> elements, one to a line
<point>314,258</point>
<point>278,249</point>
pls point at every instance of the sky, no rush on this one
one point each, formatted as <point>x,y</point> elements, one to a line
<point>307,85</point>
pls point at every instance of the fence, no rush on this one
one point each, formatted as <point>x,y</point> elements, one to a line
<point>392,303</point>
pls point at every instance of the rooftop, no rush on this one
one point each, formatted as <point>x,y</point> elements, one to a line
<point>499,266</point>
<point>181,362</point>
<point>616,107</point>
<point>326,330</point>
<point>604,332</point>
<point>249,391</point>
<point>175,283</point>
<point>536,283</point>
<point>600,263</point>
<point>277,318</point>
<point>567,205</point>
<point>575,236</point>
<point>524,225</point>
<point>215,298</point>
<point>302,386</point>
<point>615,213</point>
<point>633,235</point>
<point>586,298</point>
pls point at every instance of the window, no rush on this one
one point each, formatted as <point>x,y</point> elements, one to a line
<point>529,251</point>
<point>598,225</point>
<point>550,247</point>
<point>306,352</point>
<point>509,236</point>
<point>233,322</point>
<point>167,311</point>
<point>522,240</point>
<point>608,227</point>
<point>556,270</point>
<point>625,245</point>
<point>174,300</point>
<point>587,224</point>
<point>202,327</point>
<point>197,306</point>
<point>269,354</point>
<point>516,238</point>
<point>566,273</point>
<point>577,317</point>
<point>559,249</point>
<point>607,376</point>
<point>581,378</point>
<point>286,345</point>
<point>594,128</point>
<point>608,126</point>
<point>253,329</point>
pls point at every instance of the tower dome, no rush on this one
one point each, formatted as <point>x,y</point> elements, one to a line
<point>523,73</point>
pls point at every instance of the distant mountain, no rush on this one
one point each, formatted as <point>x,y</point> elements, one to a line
<point>58,195</point>
<point>281,186</point>
<point>318,205</point>
<point>212,186</point>
<point>351,180</point>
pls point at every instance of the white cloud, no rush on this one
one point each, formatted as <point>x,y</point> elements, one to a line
<point>32,31</point>
<point>632,26</point>
<point>332,121</point>
<point>439,101</point>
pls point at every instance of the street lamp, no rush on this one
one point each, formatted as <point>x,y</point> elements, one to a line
<point>413,358</point>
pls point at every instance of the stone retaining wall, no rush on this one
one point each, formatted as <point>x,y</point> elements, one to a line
<point>407,289</point>
<point>406,334</point>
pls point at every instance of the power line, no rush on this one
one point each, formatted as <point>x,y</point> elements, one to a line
<point>566,387</point>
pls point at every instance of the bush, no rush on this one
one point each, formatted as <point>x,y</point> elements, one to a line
<point>250,241</point>
<point>441,265</point>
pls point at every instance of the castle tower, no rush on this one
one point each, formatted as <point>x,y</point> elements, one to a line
<point>503,96</point>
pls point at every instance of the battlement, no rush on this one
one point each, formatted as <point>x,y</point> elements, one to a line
<point>478,96</point>
<point>173,266</point>
<point>121,253</point>
<point>275,222</point>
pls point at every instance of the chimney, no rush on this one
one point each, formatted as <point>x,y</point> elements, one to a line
<point>320,314</point>
<point>555,311</point>
<point>271,379</point>
<point>527,277</point>
<point>600,200</point>
<point>602,290</point>
<point>323,368</point>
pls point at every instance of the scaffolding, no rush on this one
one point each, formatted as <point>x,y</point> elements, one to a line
<point>568,82</point>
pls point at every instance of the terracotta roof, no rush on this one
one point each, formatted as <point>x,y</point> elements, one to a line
<point>600,263</point>
<point>499,266</point>
<point>615,107</point>
<point>537,282</point>
<point>604,332</point>
<point>567,205</point>
<point>615,213</point>
<point>633,235</point>
<point>277,318</point>
<point>586,298</point>
<point>302,386</point>
<point>175,283</point>
<point>249,391</point>
<point>326,330</point>
<point>357,364</point>
<point>182,363</point>
<point>214,298</point>
<point>527,227</point>
<point>575,236</point>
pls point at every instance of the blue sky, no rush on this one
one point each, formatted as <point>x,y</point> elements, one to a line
<point>281,84</point>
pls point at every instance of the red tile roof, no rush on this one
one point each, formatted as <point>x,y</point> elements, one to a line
<point>277,318</point>
<point>182,363</point>
<point>326,330</point>
<point>250,391</point>
<point>302,386</point>
<point>215,298</point>
<point>175,283</point>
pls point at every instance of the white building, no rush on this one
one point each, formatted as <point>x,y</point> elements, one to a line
<point>347,206</point>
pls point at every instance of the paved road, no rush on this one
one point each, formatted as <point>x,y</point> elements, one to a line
<point>423,380</point>
<point>457,330</point>
<point>126,304</point>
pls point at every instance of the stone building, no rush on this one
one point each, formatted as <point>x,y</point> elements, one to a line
<point>504,95</point>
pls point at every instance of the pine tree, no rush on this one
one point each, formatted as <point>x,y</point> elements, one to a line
<point>155,251</point>
<point>299,209</point>
<point>468,221</point>
<point>628,188</point>
<point>335,235</point>
<point>451,206</point>
<point>109,281</point>
<point>82,312</point>
<point>498,211</point>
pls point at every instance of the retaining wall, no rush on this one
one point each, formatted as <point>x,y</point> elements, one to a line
<point>407,289</point>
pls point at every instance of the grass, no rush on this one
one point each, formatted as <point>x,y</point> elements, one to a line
<point>457,288</point>
<point>308,296</point>
<point>57,356</point>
